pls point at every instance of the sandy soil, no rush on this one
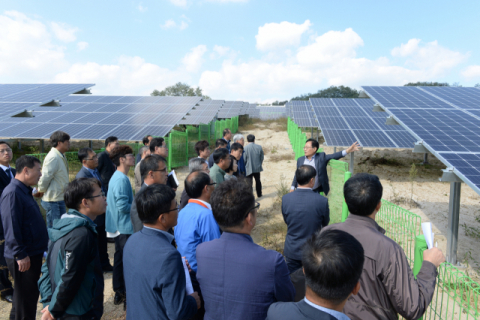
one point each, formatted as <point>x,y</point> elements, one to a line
<point>392,166</point>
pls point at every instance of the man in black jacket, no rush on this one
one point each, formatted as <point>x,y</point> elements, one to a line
<point>106,168</point>
<point>69,282</point>
<point>332,264</point>
<point>319,161</point>
<point>26,237</point>
<point>304,212</point>
<point>6,175</point>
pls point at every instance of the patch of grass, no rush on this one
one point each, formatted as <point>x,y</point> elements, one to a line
<point>473,232</point>
<point>282,188</point>
<point>384,162</point>
<point>274,150</point>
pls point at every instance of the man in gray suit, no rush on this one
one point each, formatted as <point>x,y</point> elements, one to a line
<point>153,169</point>
<point>332,263</point>
<point>253,163</point>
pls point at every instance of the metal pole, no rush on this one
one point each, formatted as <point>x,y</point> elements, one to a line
<point>351,162</point>
<point>19,145</point>
<point>90,144</point>
<point>334,149</point>
<point>42,146</point>
<point>453,219</point>
<point>311,132</point>
<point>318,134</point>
<point>425,158</point>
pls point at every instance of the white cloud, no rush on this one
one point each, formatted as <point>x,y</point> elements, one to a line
<point>331,59</point>
<point>183,25</point>
<point>227,1</point>
<point>273,36</point>
<point>225,52</point>
<point>27,52</point>
<point>472,72</point>
<point>168,24</point>
<point>179,3</point>
<point>82,45</point>
<point>194,59</point>
<point>184,17</point>
<point>128,76</point>
<point>141,7</point>
<point>64,32</point>
<point>429,56</point>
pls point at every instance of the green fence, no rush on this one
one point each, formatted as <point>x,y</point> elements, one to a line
<point>177,149</point>
<point>204,133</point>
<point>337,173</point>
<point>192,134</point>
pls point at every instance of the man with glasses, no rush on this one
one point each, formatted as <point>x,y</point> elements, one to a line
<point>89,160</point>
<point>194,164</point>
<point>239,279</point>
<point>319,161</point>
<point>222,162</point>
<point>153,169</point>
<point>154,273</point>
<point>69,273</point>
<point>196,223</point>
<point>54,177</point>
<point>7,174</point>
<point>159,146</point>
<point>118,222</point>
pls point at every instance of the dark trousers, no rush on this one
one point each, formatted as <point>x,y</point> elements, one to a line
<point>293,265</point>
<point>117,279</point>
<point>196,287</point>
<point>25,294</point>
<point>258,183</point>
<point>102,246</point>
<point>5,284</point>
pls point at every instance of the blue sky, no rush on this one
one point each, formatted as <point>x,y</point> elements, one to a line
<point>257,51</point>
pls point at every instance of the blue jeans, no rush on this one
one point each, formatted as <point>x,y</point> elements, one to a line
<point>54,209</point>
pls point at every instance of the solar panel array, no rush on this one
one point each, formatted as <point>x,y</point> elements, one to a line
<point>273,112</point>
<point>230,109</point>
<point>446,119</point>
<point>344,121</point>
<point>252,110</point>
<point>89,117</point>
<point>302,114</point>
<point>204,112</point>
<point>15,98</point>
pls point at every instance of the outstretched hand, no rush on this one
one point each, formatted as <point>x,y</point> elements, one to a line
<point>354,147</point>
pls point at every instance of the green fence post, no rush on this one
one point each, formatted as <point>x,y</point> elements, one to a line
<point>170,152</point>
<point>348,175</point>
<point>186,146</point>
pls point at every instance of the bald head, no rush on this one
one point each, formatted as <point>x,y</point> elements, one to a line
<point>199,185</point>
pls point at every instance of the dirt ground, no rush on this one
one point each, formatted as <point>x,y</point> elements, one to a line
<point>391,165</point>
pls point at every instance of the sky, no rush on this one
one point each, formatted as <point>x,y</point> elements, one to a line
<point>250,50</point>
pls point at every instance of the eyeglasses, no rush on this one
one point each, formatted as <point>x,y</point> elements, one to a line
<point>257,205</point>
<point>100,195</point>
<point>5,150</point>
<point>212,184</point>
<point>177,209</point>
<point>93,158</point>
<point>161,170</point>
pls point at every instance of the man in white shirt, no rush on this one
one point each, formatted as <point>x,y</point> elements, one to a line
<point>332,264</point>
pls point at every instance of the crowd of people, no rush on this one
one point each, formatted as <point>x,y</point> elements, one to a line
<point>196,259</point>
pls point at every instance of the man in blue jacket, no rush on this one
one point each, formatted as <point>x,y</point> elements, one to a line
<point>72,268</point>
<point>117,222</point>
<point>26,237</point>
<point>239,279</point>
<point>154,273</point>
<point>305,212</point>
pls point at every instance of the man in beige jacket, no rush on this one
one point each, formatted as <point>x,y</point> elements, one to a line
<point>54,178</point>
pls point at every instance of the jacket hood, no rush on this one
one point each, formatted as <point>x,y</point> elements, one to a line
<point>68,222</point>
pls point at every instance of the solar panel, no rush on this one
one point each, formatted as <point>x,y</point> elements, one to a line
<point>273,112</point>
<point>96,117</point>
<point>449,125</point>
<point>367,127</point>
<point>303,114</point>
<point>230,109</point>
<point>204,112</point>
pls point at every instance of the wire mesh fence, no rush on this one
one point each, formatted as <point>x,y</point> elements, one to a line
<point>192,135</point>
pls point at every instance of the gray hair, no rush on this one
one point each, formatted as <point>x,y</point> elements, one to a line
<point>238,137</point>
<point>142,150</point>
<point>196,164</point>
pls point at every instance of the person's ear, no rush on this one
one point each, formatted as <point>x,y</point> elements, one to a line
<point>303,270</point>
<point>379,205</point>
<point>356,289</point>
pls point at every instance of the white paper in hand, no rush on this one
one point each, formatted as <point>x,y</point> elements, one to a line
<point>189,286</point>
<point>427,232</point>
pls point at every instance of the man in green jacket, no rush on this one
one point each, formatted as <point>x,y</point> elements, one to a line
<point>222,161</point>
<point>72,275</point>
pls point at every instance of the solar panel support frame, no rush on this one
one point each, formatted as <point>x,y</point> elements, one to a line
<point>391,121</point>
<point>453,222</point>
<point>352,162</point>
<point>419,148</point>
<point>53,103</point>
<point>377,108</point>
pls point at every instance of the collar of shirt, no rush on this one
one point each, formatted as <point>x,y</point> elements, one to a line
<point>365,221</point>
<point>312,161</point>
<point>304,188</point>
<point>333,313</point>
<point>205,203</point>
<point>26,189</point>
<point>169,236</point>
<point>5,169</point>
<point>92,171</point>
